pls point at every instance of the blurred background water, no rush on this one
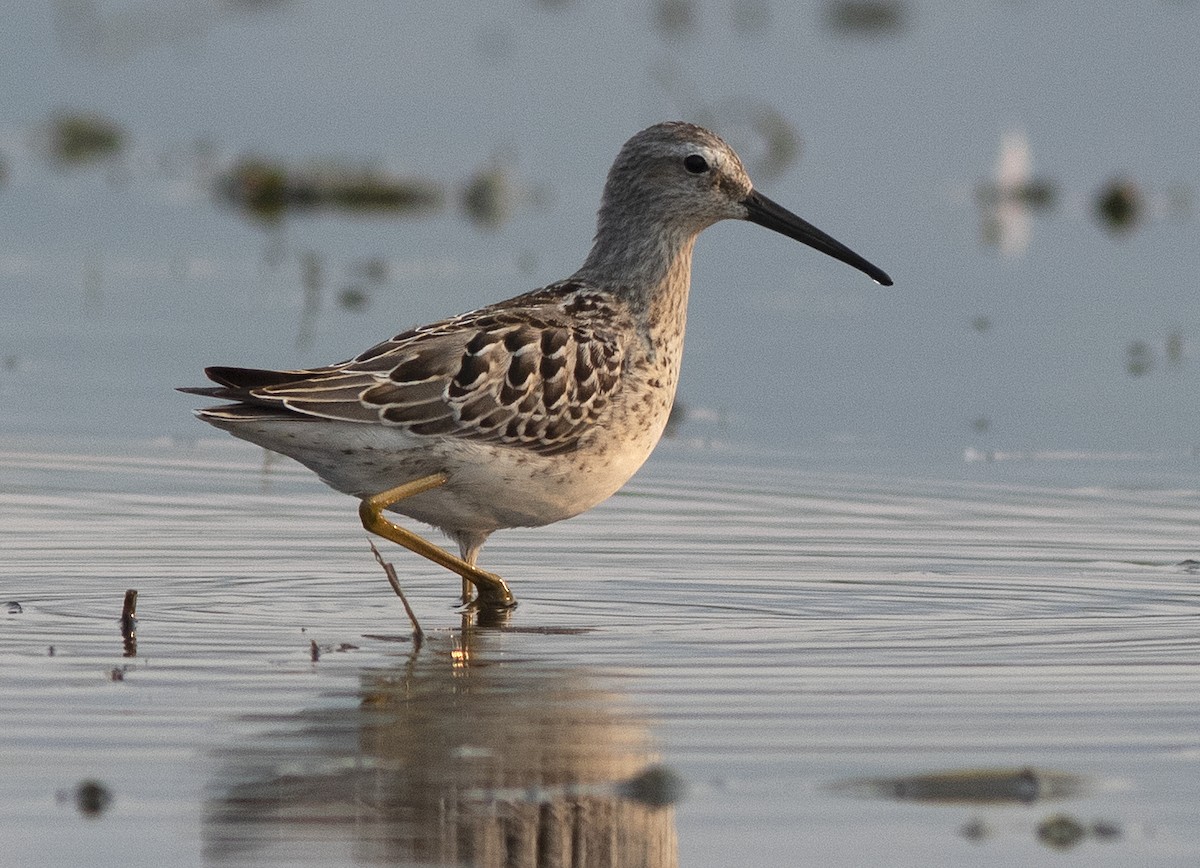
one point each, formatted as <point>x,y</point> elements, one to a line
<point>913,583</point>
<point>882,122</point>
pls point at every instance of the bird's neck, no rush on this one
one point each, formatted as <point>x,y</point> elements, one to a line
<point>652,272</point>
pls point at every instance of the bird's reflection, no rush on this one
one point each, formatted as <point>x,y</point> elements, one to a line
<point>460,755</point>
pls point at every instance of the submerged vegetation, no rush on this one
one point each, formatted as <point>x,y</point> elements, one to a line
<point>1142,356</point>
<point>985,786</point>
<point>78,138</point>
<point>1036,194</point>
<point>488,198</point>
<point>866,17</point>
<point>1120,205</point>
<point>268,189</point>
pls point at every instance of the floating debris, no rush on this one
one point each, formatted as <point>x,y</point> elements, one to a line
<point>1120,205</point>
<point>981,425</point>
<point>1060,831</point>
<point>656,787</point>
<point>1190,566</point>
<point>981,324</point>
<point>1057,831</point>
<point>313,651</point>
<point>488,199</point>
<point>76,139</point>
<point>866,17</point>
<point>971,786</point>
<point>13,607</point>
<point>353,298</point>
<point>374,271</point>
<point>268,190</point>
<point>975,829</point>
<point>116,674</point>
<point>3,170</point>
<point>1034,194</point>
<point>493,195</point>
<point>1139,358</point>
<point>92,798</point>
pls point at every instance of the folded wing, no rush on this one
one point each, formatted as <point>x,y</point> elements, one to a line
<point>536,378</point>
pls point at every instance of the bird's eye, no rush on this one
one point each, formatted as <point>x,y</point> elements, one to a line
<point>695,164</point>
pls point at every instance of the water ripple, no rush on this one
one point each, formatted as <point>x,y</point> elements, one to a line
<point>765,631</point>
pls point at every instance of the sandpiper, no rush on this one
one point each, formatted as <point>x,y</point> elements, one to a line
<point>530,410</point>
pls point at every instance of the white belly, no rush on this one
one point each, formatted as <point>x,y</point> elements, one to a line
<point>490,487</point>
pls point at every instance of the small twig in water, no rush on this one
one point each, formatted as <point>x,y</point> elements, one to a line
<point>129,613</point>
<point>129,622</point>
<point>390,572</point>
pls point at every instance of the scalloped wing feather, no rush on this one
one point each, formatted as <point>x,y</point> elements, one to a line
<point>535,372</point>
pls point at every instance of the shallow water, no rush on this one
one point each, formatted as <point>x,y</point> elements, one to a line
<point>794,639</point>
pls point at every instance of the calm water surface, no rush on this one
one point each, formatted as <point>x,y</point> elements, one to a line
<point>797,641</point>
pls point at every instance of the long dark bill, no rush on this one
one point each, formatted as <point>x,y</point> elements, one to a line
<point>764,212</point>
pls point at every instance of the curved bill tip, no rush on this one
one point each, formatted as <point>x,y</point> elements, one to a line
<point>764,212</point>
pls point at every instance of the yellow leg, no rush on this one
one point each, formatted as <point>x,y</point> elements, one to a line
<point>490,588</point>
